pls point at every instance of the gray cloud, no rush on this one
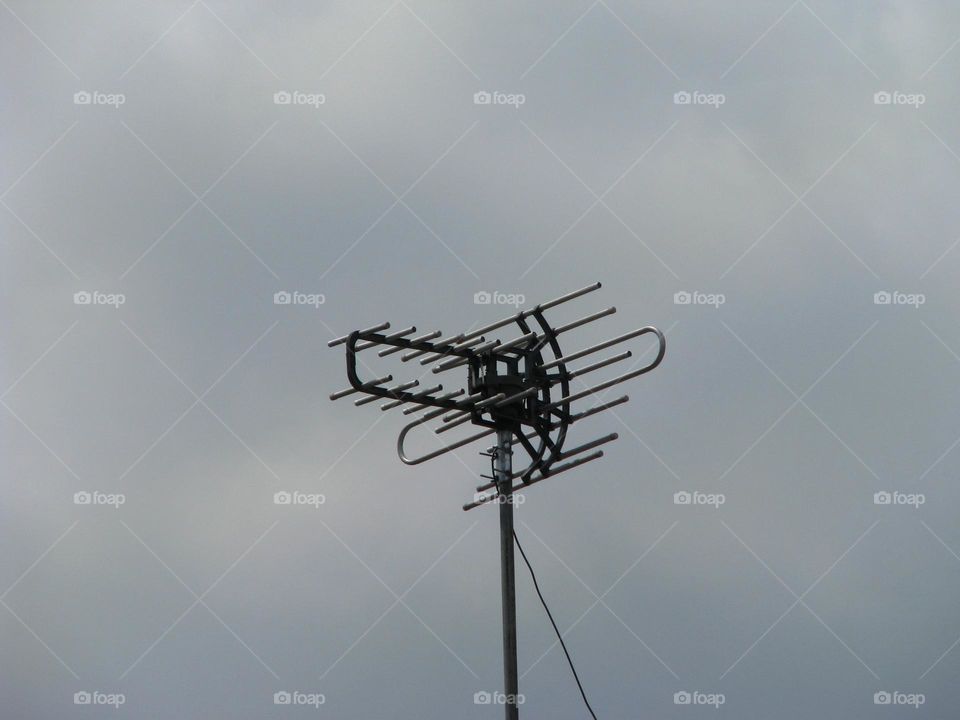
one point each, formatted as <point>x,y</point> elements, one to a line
<point>295,197</point>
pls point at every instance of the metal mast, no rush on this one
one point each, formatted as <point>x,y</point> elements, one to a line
<point>503,463</point>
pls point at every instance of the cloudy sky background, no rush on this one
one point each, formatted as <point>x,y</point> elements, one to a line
<point>798,199</point>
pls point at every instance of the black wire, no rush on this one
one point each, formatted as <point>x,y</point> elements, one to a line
<point>555,628</point>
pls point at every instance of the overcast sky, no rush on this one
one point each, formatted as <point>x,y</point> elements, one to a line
<point>150,166</point>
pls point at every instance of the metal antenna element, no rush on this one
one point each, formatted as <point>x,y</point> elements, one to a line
<point>519,389</point>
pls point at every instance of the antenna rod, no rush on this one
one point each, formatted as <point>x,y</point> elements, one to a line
<point>376,328</point>
<point>421,338</point>
<point>527,313</point>
<point>392,336</point>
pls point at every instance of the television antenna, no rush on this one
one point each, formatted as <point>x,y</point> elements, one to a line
<point>518,390</point>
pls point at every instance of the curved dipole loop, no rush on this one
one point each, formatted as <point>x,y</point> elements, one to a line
<point>436,453</point>
<point>661,350</point>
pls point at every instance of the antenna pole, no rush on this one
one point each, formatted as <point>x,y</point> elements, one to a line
<point>519,389</point>
<point>504,474</point>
